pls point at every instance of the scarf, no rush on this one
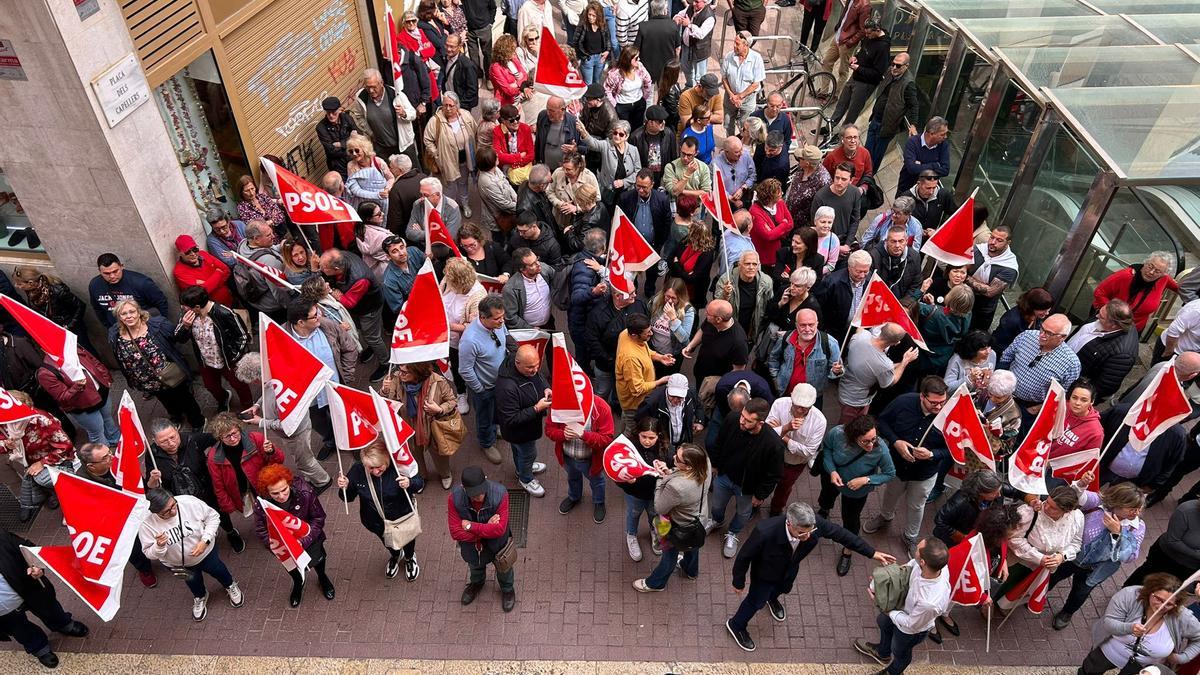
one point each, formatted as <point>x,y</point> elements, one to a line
<point>984,271</point>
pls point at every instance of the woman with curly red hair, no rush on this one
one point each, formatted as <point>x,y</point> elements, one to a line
<point>293,494</point>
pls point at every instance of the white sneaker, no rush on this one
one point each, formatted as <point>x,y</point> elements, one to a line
<point>635,549</point>
<point>538,467</point>
<point>466,211</point>
<point>200,608</point>
<point>447,481</point>
<point>731,545</point>
<point>464,406</point>
<point>709,525</point>
<point>534,488</point>
<point>655,543</point>
<point>235,595</point>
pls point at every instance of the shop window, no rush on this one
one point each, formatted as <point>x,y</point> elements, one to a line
<point>196,110</point>
<point>17,236</point>
<point>929,69</point>
<point>1004,148</point>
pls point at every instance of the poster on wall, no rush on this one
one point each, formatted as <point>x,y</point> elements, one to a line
<point>86,8</point>
<point>10,65</point>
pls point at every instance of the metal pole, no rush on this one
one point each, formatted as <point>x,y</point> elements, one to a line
<point>985,119</point>
<point>1083,229</point>
<point>1035,153</point>
<point>949,77</point>
<point>917,47</point>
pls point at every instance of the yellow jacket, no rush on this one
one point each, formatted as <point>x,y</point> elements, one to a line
<point>634,371</point>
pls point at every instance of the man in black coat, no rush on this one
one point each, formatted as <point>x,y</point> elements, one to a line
<point>773,555</point>
<point>532,195</point>
<point>650,212</point>
<point>604,326</point>
<point>459,73</point>
<point>837,290</point>
<point>933,203</point>
<point>1107,348</point>
<point>23,589</point>
<point>522,399</point>
<point>675,398</point>
<point>405,192</point>
<point>656,148</point>
<point>333,131</point>
<point>1153,475</point>
<point>747,460</point>
<point>658,39</point>
<point>898,264</point>
<point>414,82</point>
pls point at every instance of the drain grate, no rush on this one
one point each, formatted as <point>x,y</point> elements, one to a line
<point>518,515</point>
<point>10,512</point>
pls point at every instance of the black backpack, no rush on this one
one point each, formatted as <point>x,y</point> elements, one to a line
<point>249,282</point>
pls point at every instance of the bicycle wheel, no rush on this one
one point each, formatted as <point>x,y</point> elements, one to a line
<point>817,91</point>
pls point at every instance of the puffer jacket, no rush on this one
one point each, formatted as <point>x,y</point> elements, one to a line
<point>1107,359</point>
<point>225,483</point>
<point>516,395</point>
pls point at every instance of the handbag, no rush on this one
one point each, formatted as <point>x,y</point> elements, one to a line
<point>428,158</point>
<point>448,432</point>
<point>506,557</point>
<point>170,374</point>
<point>399,532</point>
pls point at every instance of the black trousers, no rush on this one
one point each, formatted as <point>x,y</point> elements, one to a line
<point>814,22</point>
<point>852,507</point>
<point>48,610</point>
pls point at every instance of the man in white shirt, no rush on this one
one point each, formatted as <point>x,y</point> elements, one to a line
<point>527,294</point>
<point>1182,335</point>
<point>742,74</point>
<point>900,630</point>
<point>802,428</point>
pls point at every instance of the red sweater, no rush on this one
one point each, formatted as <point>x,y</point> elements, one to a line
<point>862,163</point>
<point>766,232</point>
<point>212,274</point>
<point>597,438</point>
<point>1079,434</point>
<point>478,531</point>
<point>524,153</point>
<point>1118,284</point>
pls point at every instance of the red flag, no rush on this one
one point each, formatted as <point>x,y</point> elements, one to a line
<point>127,460</point>
<point>1035,586</point>
<point>102,524</point>
<point>292,373</point>
<point>353,415</point>
<point>623,463</point>
<point>284,531</point>
<point>571,400</point>
<point>961,427</point>
<point>393,37</point>
<point>490,284</point>
<point>531,336</point>
<point>879,306</point>
<point>553,74</point>
<point>436,233</point>
<point>1072,467</point>
<point>396,433</point>
<point>1027,466</point>
<point>628,251</point>
<point>969,571</point>
<point>305,203</point>
<point>59,343</point>
<point>61,561</point>
<point>717,201</point>
<point>954,241</point>
<point>12,410</point>
<point>422,331</point>
<point>1162,404</point>
<point>272,275</point>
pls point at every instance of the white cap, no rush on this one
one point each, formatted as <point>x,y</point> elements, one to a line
<point>677,385</point>
<point>804,395</point>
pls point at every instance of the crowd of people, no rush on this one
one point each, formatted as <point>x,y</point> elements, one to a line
<point>733,369</point>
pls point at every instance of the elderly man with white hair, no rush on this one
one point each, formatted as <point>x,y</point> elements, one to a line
<point>1038,356</point>
<point>749,291</point>
<point>742,75</point>
<point>406,190</point>
<point>389,117</point>
<point>737,167</point>
<point>432,198</point>
<point>840,292</point>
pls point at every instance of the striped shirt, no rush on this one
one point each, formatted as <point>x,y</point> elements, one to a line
<point>1034,368</point>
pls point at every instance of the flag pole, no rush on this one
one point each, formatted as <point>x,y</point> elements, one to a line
<point>345,499</point>
<point>988,644</point>
<point>1005,619</point>
<point>153,462</point>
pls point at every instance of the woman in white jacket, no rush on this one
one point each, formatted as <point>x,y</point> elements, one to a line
<point>181,533</point>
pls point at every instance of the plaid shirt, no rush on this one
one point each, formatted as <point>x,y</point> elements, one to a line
<point>1034,369</point>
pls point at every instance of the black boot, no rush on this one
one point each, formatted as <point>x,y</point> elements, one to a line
<point>235,541</point>
<point>324,580</point>
<point>297,588</point>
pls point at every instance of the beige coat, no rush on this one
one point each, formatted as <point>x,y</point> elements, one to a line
<point>563,192</point>
<point>440,143</point>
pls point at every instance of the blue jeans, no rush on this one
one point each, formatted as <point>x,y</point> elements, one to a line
<point>634,508</point>
<point>483,405</point>
<point>611,18</point>
<point>577,469</point>
<point>604,386</point>
<point>524,454</point>
<point>896,643</point>
<point>593,69</point>
<point>692,72</point>
<point>213,565</point>
<point>99,425</point>
<point>755,598</point>
<point>723,491</point>
<point>876,144</point>
<point>666,566</point>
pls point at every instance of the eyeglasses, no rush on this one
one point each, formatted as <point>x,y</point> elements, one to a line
<point>899,65</point>
<point>232,434</point>
<point>314,317</point>
<point>619,134</point>
<point>353,152</point>
<point>1047,333</point>
<point>192,251</point>
<point>510,120</point>
<point>495,338</point>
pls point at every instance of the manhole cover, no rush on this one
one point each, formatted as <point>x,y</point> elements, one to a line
<point>10,513</point>
<point>518,515</point>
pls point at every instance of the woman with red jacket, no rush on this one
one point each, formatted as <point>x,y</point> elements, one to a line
<point>415,40</point>
<point>32,444</point>
<point>278,487</point>
<point>1082,429</point>
<point>772,221</point>
<point>84,402</point>
<point>235,460</point>
<point>1142,286</point>
<point>512,140</point>
<point>510,80</point>
<point>582,454</point>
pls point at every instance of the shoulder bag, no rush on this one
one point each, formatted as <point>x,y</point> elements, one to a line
<point>170,374</point>
<point>447,432</point>
<point>399,532</point>
<point>506,557</point>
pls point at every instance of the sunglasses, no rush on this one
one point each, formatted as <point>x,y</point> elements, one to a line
<point>899,65</point>
<point>191,251</point>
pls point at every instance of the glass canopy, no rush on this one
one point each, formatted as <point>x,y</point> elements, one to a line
<point>1086,66</point>
<point>1147,133</point>
<point>1170,27</point>
<point>1067,31</point>
<point>989,9</point>
<point>1144,6</point>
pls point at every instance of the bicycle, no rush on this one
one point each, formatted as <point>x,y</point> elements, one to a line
<point>814,92</point>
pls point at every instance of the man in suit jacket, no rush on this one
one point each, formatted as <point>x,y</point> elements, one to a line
<point>658,39</point>
<point>650,212</point>
<point>773,555</point>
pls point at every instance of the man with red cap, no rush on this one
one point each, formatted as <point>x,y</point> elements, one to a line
<point>197,267</point>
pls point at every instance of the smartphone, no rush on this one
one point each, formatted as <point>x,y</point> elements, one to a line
<point>246,415</point>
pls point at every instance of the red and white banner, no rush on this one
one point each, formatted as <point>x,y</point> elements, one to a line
<point>437,233</point>
<point>353,415</point>
<point>305,203</point>
<point>1162,404</point>
<point>628,251</point>
<point>422,331</point>
<point>571,400</point>
<point>717,201</point>
<point>284,531</point>
<point>954,241</point>
<point>879,306</point>
<point>396,433</point>
<point>127,458</point>
<point>392,51</point>
<point>623,463</point>
<point>960,425</point>
<point>62,563</point>
<point>969,571</point>
<point>531,336</point>
<point>12,410</point>
<point>1027,466</point>
<point>102,523</point>
<point>272,275</point>
<point>553,74</point>
<point>490,284</point>
<point>1034,587</point>
<point>292,376</point>
<point>57,342</point>
<point>1072,467</point>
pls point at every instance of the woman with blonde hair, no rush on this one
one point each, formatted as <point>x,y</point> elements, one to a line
<point>461,293</point>
<point>592,213</point>
<point>367,175</point>
<point>144,347</point>
<point>299,263</point>
<point>387,494</point>
<point>672,318</point>
<point>753,134</point>
<point>943,327</point>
